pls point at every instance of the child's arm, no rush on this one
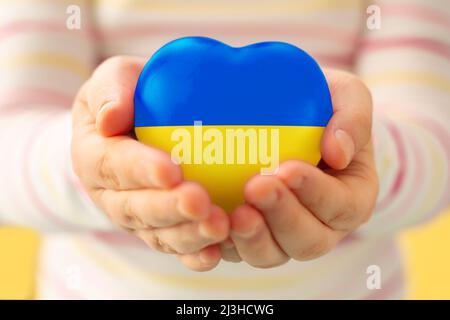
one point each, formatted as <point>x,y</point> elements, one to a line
<point>42,64</point>
<point>407,67</point>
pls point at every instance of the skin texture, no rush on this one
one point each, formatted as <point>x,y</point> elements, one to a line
<point>300,213</point>
<point>138,187</point>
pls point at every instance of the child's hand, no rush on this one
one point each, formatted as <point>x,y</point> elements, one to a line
<point>139,187</point>
<point>302,212</point>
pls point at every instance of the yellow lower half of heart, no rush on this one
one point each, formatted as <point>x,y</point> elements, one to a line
<point>223,158</point>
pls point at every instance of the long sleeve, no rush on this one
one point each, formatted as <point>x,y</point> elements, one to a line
<point>43,62</point>
<point>406,64</point>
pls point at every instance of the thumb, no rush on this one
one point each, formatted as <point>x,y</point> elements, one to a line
<point>110,94</point>
<point>350,127</point>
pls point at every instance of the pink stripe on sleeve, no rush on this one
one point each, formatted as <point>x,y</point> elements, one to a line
<point>426,44</point>
<point>28,181</point>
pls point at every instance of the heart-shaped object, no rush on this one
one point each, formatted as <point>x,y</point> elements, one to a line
<point>226,114</point>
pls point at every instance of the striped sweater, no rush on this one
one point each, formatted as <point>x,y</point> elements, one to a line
<point>406,64</point>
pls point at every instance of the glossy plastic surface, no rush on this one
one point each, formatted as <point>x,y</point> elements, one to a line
<point>265,86</point>
<point>270,83</point>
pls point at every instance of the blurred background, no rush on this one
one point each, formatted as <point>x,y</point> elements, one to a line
<point>425,249</point>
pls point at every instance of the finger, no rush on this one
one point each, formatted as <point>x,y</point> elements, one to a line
<point>110,94</point>
<point>253,240</point>
<point>155,208</point>
<point>122,163</point>
<point>338,209</point>
<point>204,260</point>
<point>301,235</point>
<point>229,252</point>
<point>350,127</point>
<point>191,237</point>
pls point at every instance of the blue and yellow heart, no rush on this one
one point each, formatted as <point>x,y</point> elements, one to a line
<point>226,114</point>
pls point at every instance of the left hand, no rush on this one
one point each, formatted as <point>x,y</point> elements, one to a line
<point>302,212</point>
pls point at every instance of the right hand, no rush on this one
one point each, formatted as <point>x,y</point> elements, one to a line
<point>139,187</point>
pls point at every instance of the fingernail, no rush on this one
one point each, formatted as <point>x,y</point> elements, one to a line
<point>346,144</point>
<point>106,106</point>
<point>204,231</point>
<point>244,234</point>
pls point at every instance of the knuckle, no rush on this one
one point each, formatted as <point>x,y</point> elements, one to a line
<point>343,220</point>
<point>106,172</point>
<point>164,247</point>
<point>185,243</point>
<point>150,240</point>
<point>314,199</point>
<point>346,218</point>
<point>311,251</point>
<point>127,217</point>
<point>154,242</point>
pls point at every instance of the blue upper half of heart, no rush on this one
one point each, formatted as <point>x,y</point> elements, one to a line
<point>201,79</point>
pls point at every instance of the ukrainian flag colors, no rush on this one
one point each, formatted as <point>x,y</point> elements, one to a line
<point>226,114</point>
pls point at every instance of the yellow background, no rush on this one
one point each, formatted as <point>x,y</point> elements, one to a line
<point>426,249</point>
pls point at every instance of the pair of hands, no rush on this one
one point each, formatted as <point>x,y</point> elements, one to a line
<point>302,212</point>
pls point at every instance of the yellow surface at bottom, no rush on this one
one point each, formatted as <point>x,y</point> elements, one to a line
<point>426,250</point>
<point>223,158</point>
